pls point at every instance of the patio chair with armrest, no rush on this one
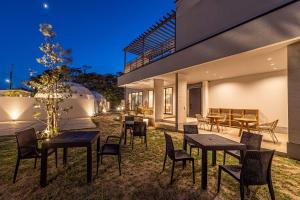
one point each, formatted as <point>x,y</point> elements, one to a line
<point>252,142</point>
<point>175,156</point>
<point>27,143</point>
<point>222,121</point>
<point>270,128</point>
<point>255,170</point>
<point>191,129</point>
<point>202,121</point>
<point>139,129</point>
<point>112,147</point>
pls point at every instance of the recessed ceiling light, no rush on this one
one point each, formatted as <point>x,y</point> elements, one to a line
<point>206,72</point>
<point>275,68</point>
<point>215,74</point>
<point>272,64</point>
<point>269,59</point>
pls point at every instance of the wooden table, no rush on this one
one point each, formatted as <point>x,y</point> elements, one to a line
<point>214,119</point>
<point>67,140</point>
<point>211,142</point>
<point>244,122</point>
<point>127,125</point>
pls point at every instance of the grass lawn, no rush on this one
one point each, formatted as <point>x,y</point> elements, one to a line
<point>141,174</point>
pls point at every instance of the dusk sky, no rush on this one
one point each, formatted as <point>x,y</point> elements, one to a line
<point>95,30</point>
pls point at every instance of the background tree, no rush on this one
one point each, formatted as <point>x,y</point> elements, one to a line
<point>105,84</point>
<point>50,85</point>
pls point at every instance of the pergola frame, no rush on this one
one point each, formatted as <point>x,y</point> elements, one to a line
<point>158,41</point>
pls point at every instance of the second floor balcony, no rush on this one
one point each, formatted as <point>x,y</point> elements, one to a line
<point>156,43</point>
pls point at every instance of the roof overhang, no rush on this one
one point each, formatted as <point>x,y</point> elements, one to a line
<point>280,27</point>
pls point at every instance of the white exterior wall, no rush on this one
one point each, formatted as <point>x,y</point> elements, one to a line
<point>266,92</point>
<point>22,108</point>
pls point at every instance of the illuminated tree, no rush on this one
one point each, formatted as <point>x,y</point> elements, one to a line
<point>51,85</point>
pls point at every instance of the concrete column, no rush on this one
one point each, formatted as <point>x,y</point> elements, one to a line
<point>293,146</point>
<point>181,103</point>
<point>205,99</point>
<point>158,100</point>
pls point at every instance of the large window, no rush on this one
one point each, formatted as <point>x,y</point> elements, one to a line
<point>150,98</point>
<point>135,99</point>
<point>168,97</point>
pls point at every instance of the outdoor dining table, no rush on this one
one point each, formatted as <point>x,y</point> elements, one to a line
<point>127,125</point>
<point>67,140</point>
<point>244,123</point>
<point>214,119</point>
<point>211,142</point>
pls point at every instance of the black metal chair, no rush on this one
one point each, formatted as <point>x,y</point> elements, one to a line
<point>252,142</point>
<point>176,155</point>
<point>27,144</point>
<point>139,129</point>
<point>255,170</point>
<point>191,129</point>
<point>129,118</point>
<point>110,148</point>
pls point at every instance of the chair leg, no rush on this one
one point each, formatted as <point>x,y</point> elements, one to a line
<point>172,172</point>
<point>119,162</point>
<point>271,190</point>
<point>146,141</point>
<point>242,191</point>
<point>224,158</point>
<point>164,162</point>
<point>97,162</point>
<point>101,159</point>
<point>219,179</point>
<point>16,169</point>
<point>272,132</point>
<point>193,171</point>
<point>190,151</point>
<point>198,152</point>
<point>56,158</point>
<point>132,141</point>
<point>35,159</point>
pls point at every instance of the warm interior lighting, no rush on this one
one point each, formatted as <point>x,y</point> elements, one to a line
<point>269,59</point>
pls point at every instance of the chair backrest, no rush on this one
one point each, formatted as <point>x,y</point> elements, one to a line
<point>256,168</point>
<point>26,141</point>
<point>251,140</point>
<point>139,129</point>
<point>129,118</point>
<point>169,146</point>
<point>190,129</point>
<point>138,119</point>
<point>199,116</point>
<point>274,124</point>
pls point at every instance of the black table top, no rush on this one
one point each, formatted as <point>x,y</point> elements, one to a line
<point>214,142</point>
<point>73,138</point>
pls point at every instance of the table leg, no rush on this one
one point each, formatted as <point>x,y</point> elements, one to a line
<point>204,170</point>
<point>211,123</point>
<point>89,163</point>
<point>65,155</point>
<point>247,126</point>
<point>241,129</point>
<point>43,175</point>
<point>214,158</point>
<point>218,126</point>
<point>125,136</point>
<point>242,156</point>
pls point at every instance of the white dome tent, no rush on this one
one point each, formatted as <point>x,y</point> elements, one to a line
<point>102,105</point>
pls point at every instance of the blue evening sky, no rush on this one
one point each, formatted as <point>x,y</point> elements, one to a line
<point>95,30</point>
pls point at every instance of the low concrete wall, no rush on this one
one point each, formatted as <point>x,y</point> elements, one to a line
<point>22,108</point>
